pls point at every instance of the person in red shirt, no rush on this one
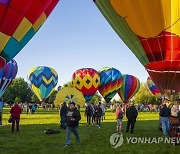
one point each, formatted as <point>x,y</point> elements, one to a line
<point>15,113</point>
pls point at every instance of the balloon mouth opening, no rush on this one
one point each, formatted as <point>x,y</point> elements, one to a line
<point>163,66</point>
<point>2,62</point>
<point>165,75</point>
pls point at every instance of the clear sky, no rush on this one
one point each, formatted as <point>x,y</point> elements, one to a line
<point>76,35</point>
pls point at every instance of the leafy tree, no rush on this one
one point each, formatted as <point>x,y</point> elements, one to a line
<point>144,95</point>
<point>19,88</point>
<point>52,97</point>
<point>96,98</point>
<point>18,100</point>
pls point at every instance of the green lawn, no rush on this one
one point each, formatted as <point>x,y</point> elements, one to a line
<point>31,138</point>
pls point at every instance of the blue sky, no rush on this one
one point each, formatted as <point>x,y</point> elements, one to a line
<point>76,35</point>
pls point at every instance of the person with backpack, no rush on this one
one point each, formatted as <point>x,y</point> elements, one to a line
<point>131,114</point>
<point>119,117</point>
<point>88,113</point>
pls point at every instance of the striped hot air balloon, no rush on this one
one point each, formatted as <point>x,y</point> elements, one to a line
<point>7,74</point>
<point>87,81</point>
<point>110,82</point>
<point>42,81</point>
<point>152,87</point>
<point>129,87</point>
<point>19,22</point>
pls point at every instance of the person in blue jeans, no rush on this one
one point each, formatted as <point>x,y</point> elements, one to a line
<point>72,120</point>
<point>63,113</point>
<point>165,113</point>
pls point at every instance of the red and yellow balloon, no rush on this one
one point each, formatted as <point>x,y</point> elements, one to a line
<point>150,28</point>
<point>86,80</point>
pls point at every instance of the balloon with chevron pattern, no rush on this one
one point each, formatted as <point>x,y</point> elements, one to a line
<point>42,81</point>
<point>111,81</point>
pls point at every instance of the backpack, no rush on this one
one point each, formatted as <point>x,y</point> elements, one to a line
<point>120,115</point>
<point>51,131</point>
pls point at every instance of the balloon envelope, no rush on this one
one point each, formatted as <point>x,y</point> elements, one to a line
<point>19,22</point>
<point>153,88</point>
<point>69,94</point>
<point>151,30</point>
<point>129,87</point>
<point>42,81</point>
<point>87,81</point>
<point>7,74</point>
<point>110,82</point>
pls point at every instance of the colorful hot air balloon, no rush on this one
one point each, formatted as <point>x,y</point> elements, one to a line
<point>7,74</point>
<point>87,81</point>
<point>150,28</point>
<point>129,87</point>
<point>153,88</point>
<point>19,21</point>
<point>42,81</point>
<point>110,82</point>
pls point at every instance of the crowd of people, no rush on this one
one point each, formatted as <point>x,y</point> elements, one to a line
<point>95,114</point>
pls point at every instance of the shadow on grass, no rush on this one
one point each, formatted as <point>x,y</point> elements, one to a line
<point>32,139</point>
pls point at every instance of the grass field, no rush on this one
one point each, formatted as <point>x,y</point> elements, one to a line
<point>32,139</point>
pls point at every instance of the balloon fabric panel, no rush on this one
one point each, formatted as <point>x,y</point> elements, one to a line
<point>19,21</point>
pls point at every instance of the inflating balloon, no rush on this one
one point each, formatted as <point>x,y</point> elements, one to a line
<point>19,21</point>
<point>87,81</point>
<point>129,87</point>
<point>110,82</point>
<point>151,30</point>
<point>153,88</point>
<point>42,81</point>
<point>7,74</point>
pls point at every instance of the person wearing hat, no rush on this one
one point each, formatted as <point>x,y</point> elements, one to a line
<point>72,120</point>
<point>131,115</point>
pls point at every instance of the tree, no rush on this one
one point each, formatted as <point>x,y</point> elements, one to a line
<point>96,98</point>
<point>52,97</point>
<point>18,88</point>
<point>35,99</point>
<point>144,95</point>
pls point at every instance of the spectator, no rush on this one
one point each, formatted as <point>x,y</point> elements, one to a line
<point>119,117</point>
<point>15,114</point>
<point>72,121</point>
<point>88,113</point>
<point>63,113</point>
<point>131,115</point>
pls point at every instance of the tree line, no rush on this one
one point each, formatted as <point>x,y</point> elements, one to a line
<point>19,91</point>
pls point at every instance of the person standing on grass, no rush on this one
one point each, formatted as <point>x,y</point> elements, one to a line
<point>98,113</point>
<point>63,113</point>
<point>119,117</point>
<point>165,112</point>
<point>88,113</point>
<point>72,121</point>
<point>15,114</point>
<point>131,114</point>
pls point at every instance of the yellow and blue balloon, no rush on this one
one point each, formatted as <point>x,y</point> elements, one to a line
<point>42,81</point>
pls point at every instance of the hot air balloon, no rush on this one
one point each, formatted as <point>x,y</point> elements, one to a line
<point>19,21</point>
<point>7,74</point>
<point>87,81</point>
<point>153,88</point>
<point>129,87</point>
<point>42,81</point>
<point>110,82</point>
<point>151,30</point>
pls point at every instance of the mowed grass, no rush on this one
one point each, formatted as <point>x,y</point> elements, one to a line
<point>32,139</point>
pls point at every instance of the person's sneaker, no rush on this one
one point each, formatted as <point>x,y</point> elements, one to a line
<point>66,145</point>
